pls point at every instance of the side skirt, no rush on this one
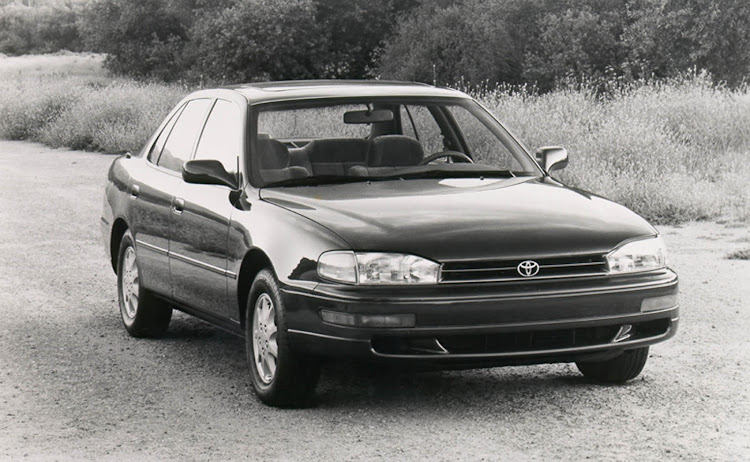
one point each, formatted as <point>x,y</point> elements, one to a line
<point>224,324</point>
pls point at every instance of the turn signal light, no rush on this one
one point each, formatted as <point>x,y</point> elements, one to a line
<point>368,320</point>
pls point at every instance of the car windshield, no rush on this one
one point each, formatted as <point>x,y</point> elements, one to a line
<point>314,142</point>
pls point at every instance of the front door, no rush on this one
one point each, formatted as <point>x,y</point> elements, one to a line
<point>200,224</point>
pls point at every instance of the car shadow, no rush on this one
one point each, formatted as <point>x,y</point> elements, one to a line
<point>346,385</point>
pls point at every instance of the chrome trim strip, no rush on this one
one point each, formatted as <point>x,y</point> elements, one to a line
<point>200,264</point>
<point>536,258</point>
<point>507,268</point>
<point>189,260</point>
<point>322,294</point>
<point>155,248</point>
<point>566,265</point>
<point>330,337</point>
<point>531,278</point>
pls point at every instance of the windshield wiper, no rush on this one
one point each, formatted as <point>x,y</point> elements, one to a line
<point>440,173</point>
<point>318,180</point>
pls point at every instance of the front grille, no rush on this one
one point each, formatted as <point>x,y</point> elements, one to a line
<point>507,270</point>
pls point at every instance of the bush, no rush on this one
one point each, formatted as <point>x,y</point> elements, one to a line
<point>42,29</point>
<point>259,40</point>
<point>142,38</point>
<point>448,42</point>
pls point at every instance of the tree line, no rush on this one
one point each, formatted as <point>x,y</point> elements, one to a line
<point>537,42</point>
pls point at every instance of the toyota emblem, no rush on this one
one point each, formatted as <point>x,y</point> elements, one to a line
<point>528,268</point>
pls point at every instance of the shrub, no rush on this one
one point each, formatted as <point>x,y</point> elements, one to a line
<point>142,38</point>
<point>447,42</point>
<point>38,29</point>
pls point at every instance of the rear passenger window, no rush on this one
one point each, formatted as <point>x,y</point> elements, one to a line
<point>222,135</point>
<point>153,154</point>
<point>179,145</point>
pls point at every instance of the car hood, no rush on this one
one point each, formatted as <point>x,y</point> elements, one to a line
<point>469,218</point>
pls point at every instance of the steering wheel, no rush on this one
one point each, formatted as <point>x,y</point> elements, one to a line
<point>452,154</point>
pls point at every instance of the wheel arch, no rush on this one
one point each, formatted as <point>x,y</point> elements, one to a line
<point>119,227</point>
<point>255,260</point>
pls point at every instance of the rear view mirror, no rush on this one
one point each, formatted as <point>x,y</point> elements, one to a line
<point>207,171</point>
<point>552,158</point>
<point>368,117</point>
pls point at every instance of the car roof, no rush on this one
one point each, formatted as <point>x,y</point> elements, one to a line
<point>262,92</point>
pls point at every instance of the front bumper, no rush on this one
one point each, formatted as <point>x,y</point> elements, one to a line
<point>478,325</point>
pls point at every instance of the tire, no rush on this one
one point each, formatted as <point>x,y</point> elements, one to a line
<point>619,369</point>
<point>142,314</point>
<point>280,376</point>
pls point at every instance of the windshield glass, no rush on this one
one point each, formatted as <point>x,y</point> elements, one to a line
<point>315,142</point>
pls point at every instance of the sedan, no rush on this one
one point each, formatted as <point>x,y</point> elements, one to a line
<point>388,222</point>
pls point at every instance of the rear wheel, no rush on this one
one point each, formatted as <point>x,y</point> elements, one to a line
<point>142,314</point>
<point>280,377</point>
<point>619,369</point>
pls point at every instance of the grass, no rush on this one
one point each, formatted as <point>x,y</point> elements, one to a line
<point>672,151</point>
<point>68,100</point>
<point>61,63</point>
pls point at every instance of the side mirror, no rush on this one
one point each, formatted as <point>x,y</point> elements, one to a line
<point>207,171</point>
<point>552,158</point>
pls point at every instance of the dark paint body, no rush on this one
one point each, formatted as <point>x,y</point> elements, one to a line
<point>203,257</point>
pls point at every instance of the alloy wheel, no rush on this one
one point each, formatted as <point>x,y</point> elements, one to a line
<point>265,347</point>
<point>130,283</point>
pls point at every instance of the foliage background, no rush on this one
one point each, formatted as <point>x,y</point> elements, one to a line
<point>542,43</point>
<point>648,96</point>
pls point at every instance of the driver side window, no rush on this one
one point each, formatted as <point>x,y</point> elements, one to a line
<point>222,135</point>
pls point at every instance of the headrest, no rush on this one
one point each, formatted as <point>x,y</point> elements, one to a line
<point>273,154</point>
<point>395,151</point>
<point>337,150</point>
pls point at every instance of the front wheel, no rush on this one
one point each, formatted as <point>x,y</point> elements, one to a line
<point>626,366</point>
<point>280,377</point>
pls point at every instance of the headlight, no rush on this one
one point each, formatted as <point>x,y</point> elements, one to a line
<point>377,268</point>
<point>642,255</point>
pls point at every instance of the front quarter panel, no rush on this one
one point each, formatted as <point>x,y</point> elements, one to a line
<point>291,242</point>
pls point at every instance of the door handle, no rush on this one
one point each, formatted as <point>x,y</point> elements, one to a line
<point>134,191</point>
<point>178,206</point>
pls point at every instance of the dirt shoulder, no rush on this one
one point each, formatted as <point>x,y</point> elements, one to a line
<point>73,385</point>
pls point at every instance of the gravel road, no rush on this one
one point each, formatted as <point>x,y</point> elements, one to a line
<point>74,386</point>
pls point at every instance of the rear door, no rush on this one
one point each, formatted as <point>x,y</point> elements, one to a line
<point>199,232</point>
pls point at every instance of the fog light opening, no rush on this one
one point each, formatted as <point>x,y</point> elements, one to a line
<point>659,303</point>
<point>368,320</point>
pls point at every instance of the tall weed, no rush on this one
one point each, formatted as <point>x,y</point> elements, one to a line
<point>673,151</point>
<point>115,118</point>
